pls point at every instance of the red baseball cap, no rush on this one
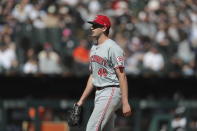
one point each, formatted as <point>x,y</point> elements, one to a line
<point>102,20</point>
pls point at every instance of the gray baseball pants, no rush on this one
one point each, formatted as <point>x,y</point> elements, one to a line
<point>106,102</point>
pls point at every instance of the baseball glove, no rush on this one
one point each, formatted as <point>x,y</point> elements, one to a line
<point>75,116</point>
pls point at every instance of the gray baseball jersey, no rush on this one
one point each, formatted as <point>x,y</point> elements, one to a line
<point>104,59</point>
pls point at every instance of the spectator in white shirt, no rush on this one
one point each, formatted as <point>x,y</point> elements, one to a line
<point>179,122</point>
<point>7,57</point>
<point>22,11</point>
<point>153,60</point>
<point>49,61</point>
<point>31,64</point>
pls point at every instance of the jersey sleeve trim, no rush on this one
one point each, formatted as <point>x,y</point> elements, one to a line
<point>120,66</point>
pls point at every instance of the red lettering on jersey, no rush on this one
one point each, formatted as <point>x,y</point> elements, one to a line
<point>102,72</point>
<point>98,59</point>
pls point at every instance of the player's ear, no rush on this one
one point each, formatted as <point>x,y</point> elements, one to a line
<point>104,28</point>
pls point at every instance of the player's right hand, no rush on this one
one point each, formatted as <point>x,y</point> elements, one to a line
<point>126,109</point>
<point>79,103</point>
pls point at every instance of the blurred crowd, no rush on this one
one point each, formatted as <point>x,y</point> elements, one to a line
<point>52,36</point>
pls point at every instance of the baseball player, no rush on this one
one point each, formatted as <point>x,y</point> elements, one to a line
<point>107,77</point>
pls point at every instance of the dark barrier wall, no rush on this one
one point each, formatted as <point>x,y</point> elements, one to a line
<point>72,87</point>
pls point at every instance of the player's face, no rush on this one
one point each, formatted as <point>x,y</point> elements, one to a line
<point>97,30</point>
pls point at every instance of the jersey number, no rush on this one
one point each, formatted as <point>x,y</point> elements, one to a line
<point>102,72</point>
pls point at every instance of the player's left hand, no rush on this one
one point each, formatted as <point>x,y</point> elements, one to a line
<point>126,109</point>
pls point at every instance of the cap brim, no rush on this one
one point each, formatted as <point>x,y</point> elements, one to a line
<point>91,22</point>
<point>94,23</point>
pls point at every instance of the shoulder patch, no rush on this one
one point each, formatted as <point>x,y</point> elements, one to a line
<point>120,58</point>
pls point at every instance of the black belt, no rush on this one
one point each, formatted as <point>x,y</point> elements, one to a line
<point>103,87</point>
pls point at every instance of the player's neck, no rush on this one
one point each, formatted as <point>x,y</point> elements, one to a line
<point>102,39</point>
